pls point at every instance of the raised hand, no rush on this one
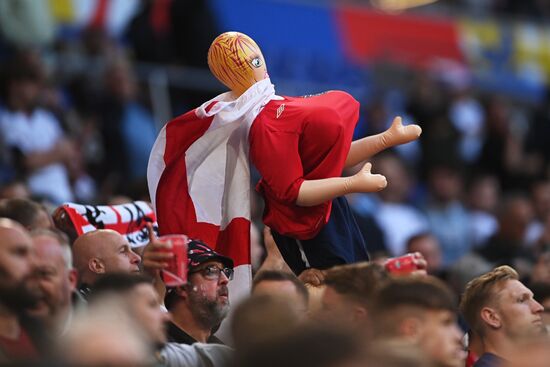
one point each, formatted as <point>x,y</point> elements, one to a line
<point>153,261</point>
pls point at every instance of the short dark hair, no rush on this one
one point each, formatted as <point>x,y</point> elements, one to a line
<point>117,283</point>
<point>281,276</point>
<point>402,297</point>
<point>418,236</point>
<point>357,281</point>
<point>23,211</point>
<point>309,345</point>
<point>264,316</point>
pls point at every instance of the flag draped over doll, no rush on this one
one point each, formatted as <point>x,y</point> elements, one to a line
<point>199,176</point>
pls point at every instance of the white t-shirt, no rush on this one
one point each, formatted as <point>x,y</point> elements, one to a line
<point>35,133</point>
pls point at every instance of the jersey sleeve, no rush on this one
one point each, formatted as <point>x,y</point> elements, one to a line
<point>275,155</point>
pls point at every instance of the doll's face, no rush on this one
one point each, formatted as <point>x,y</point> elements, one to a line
<point>237,61</point>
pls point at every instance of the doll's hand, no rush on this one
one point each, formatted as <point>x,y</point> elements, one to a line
<point>399,134</point>
<point>365,181</point>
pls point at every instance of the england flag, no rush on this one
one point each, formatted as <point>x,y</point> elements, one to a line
<point>199,177</point>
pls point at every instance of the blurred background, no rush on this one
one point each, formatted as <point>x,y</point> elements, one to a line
<point>86,85</point>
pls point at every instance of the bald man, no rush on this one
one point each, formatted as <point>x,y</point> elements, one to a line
<point>18,291</point>
<point>99,252</point>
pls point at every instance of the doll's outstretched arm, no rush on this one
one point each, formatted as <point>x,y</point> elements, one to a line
<point>315,192</point>
<point>397,134</point>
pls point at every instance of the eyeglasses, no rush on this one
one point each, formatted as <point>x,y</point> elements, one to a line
<point>212,272</point>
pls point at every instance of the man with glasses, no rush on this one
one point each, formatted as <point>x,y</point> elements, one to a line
<point>199,306</point>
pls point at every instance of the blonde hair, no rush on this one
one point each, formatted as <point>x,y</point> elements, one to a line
<point>229,59</point>
<point>480,292</point>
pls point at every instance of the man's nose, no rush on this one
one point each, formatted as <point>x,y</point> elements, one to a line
<point>136,259</point>
<point>223,279</point>
<point>537,307</point>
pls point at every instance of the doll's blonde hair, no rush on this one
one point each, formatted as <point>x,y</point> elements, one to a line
<point>229,59</point>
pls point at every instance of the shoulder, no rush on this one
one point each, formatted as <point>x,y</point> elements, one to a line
<point>198,354</point>
<point>176,354</point>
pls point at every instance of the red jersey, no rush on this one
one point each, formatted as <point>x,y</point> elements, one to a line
<point>297,139</point>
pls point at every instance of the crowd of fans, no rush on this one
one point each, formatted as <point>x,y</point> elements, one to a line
<point>472,196</point>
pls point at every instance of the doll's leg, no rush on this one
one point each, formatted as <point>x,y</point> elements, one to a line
<point>397,134</point>
<point>339,242</point>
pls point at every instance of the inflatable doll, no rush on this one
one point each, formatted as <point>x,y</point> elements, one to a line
<point>300,146</point>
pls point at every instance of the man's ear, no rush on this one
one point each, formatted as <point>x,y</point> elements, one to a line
<point>183,291</point>
<point>73,278</point>
<point>491,317</point>
<point>359,313</point>
<point>96,266</point>
<point>410,327</point>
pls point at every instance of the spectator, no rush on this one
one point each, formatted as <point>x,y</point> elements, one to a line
<point>541,270</point>
<point>27,23</point>
<point>137,294</point>
<point>318,346</point>
<point>57,279</point>
<point>42,152</point>
<point>105,335</point>
<point>503,149</point>
<point>14,190</point>
<point>507,245</point>
<point>466,114</point>
<point>282,285</point>
<point>138,299</point>
<point>428,245</point>
<point>99,252</point>
<point>349,292</point>
<point>127,129</point>
<point>396,217</point>
<point>449,221</point>
<point>502,312</point>
<point>18,291</point>
<point>421,312</point>
<point>199,306</point>
<point>428,105</point>
<point>260,319</point>
<point>540,197</point>
<point>483,198</point>
<point>26,212</point>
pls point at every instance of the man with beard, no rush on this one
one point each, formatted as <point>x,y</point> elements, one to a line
<point>56,278</point>
<point>199,306</point>
<point>18,290</point>
<point>102,251</point>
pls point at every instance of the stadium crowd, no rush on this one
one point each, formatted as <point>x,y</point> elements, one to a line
<point>471,197</point>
